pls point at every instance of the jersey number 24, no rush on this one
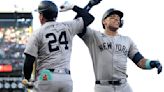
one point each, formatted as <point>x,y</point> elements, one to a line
<point>54,40</point>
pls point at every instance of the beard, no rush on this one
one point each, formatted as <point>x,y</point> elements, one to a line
<point>112,28</point>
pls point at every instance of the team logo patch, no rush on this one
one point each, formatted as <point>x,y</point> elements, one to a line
<point>45,75</point>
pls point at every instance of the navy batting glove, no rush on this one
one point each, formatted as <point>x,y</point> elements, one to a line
<point>90,4</point>
<point>156,64</point>
<point>94,2</point>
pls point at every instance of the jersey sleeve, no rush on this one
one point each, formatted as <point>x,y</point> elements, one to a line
<point>32,45</point>
<point>89,36</point>
<point>132,50</point>
<point>75,26</point>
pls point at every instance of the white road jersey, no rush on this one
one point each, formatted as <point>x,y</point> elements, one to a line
<point>52,43</point>
<point>109,54</point>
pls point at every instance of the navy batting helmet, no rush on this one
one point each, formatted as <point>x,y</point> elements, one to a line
<point>113,11</point>
<point>48,9</point>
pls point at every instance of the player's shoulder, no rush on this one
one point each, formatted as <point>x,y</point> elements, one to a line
<point>93,30</point>
<point>39,30</point>
<point>49,25</point>
<point>124,37</point>
<point>74,21</point>
<point>36,31</point>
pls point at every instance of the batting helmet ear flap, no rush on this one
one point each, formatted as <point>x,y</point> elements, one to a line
<point>103,23</point>
<point>121,23</point>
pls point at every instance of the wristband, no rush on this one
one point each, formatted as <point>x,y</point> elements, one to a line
<point>147,64</point>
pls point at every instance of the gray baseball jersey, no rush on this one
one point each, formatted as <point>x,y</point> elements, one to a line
<point>109,54</point>
<point>52,44</point>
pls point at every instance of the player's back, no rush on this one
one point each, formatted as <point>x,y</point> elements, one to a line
<point>55,44</point>
<point>52,43</point>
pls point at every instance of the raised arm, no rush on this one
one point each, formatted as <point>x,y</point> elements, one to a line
<point>90,4</point>
<point>87,17</point>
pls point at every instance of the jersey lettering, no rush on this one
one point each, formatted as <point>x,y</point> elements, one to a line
<point>119,48</point>
<point>62,41</point>
<point>105,46</point>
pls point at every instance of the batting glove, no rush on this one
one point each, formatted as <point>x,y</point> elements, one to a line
<point>66,6</point>
<point>94,2</point>
<point>156,64</point>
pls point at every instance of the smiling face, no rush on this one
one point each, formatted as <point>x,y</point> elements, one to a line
<point>112,22</point>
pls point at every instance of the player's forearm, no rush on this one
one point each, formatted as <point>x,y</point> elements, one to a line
<point>148,64</point>
<point>28,66</point>
<point>87,17</point>
<point>90,4</point>
<point>87,8</point>
<point>141,63</point>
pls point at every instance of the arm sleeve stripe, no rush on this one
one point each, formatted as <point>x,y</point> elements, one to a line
<point>137,57</point>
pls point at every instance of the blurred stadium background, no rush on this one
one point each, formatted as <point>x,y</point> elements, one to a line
<point>15,27</point>
<point>17,21</point>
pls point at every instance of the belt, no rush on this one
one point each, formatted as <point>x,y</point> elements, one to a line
<point>106,82</point>
<point>62,71</point>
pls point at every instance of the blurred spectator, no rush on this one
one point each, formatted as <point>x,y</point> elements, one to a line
<point>12,45</point>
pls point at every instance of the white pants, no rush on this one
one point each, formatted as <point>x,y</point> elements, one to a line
<point>113,88</point>
<point>59,83</point>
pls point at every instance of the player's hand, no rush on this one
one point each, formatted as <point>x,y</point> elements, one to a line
<point>24,81</point>
<point>28,84</point>
<point>66,6</point>
<point>94,2</point>
<point>156,64</point>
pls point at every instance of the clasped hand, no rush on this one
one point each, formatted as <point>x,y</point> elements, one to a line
<point>66,6</point>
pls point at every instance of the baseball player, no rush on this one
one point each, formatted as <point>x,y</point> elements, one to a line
<point>50,48</point>
<point>109,52</point>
